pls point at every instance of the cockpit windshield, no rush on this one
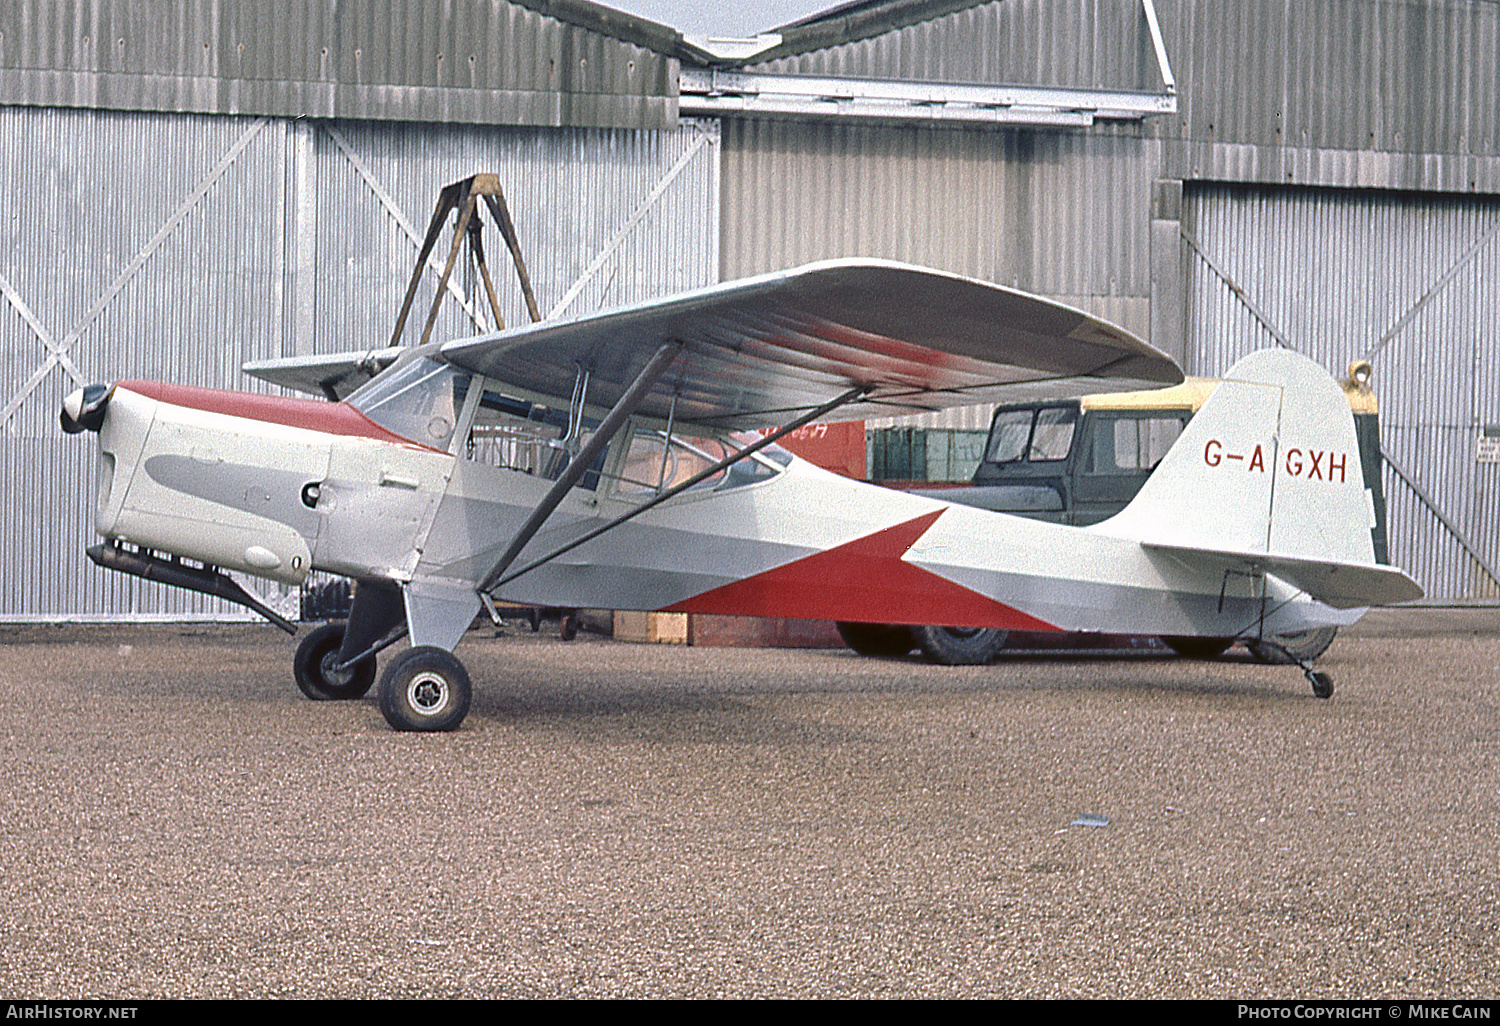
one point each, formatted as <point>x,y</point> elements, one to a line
<point>419,400</point>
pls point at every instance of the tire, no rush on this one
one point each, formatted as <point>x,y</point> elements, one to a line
<point>1198,648</point>
<point>314,662</point>
<point>424,688</point>
<point>960,646</point>
<point>876,639</point>
<point>1304,645</point>
<point>1322,684</point>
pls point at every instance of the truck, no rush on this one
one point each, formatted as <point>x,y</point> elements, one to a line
<point>1080,461</point>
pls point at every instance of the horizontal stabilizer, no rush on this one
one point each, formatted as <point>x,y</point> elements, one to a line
<point>332,375</point>
<point>1341,585</point>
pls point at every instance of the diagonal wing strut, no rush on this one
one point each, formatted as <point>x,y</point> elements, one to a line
<point>584,458</point>
<point>702,475</point>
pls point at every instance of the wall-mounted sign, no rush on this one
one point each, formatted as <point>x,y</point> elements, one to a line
<point>1487,446</point>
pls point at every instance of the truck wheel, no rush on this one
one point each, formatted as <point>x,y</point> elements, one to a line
<point>1300,646</point>
<point>1198,648</point>
<point>876,639</point>
<point>960,646</point>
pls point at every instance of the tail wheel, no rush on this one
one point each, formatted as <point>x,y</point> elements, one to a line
<point>1199,648</point>
<point>425,688</point>
<point>1297,647</point>
<point>960,646</point>
<point>876,639</point>
<point>315,662</point>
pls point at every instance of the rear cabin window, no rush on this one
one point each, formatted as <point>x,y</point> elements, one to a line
<point>652,466</point>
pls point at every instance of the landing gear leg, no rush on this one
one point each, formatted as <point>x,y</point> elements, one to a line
<point>1321,680</point>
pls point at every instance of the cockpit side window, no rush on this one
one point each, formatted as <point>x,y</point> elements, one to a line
<point>652,466</point>
<point>419,400</point>
<point>516,434</point>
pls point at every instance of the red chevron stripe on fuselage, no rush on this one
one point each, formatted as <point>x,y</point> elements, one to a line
<point>863,581</point>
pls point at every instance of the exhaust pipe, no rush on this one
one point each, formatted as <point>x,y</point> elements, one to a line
<point>204,580</point>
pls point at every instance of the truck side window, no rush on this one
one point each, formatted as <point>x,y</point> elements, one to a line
<point>1125,445</point>
<point>1053,436</point>
<point>1009,436</point>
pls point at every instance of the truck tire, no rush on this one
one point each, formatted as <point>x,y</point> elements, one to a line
<point>876,639</point>
<point>1198,648</point>
<point>1304,645</point>
<point>960,646</point>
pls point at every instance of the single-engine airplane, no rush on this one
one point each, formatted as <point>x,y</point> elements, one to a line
<point>611,461</point>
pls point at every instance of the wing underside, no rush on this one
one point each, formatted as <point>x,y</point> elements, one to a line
<point>757,352</point>
<point>332,376</point>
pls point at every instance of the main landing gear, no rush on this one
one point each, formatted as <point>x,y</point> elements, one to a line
<point>316,667</point>
<point>424,688</point>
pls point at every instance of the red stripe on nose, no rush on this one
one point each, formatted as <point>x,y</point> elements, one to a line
<point>308,414</point>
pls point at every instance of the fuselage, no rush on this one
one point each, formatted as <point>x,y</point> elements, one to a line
<point>279,487</point>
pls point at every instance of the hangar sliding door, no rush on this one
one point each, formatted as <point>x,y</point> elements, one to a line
<point>174,247</point>
<point>1410,282</point>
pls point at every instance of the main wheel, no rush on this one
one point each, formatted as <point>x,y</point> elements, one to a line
<point>424,688</point>
<point>876,639</point>
<point>314,663</point>
<point>960,646</point>
<point>1299,646</point>
<point>1198,648</point>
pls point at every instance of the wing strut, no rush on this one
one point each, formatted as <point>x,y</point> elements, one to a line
<point>584,458</point>
<point>702,475</point>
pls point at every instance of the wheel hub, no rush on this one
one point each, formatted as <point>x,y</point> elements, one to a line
<point>328,667</point>
<point>427,693</point>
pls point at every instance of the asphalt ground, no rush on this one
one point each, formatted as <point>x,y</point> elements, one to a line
<point>630,820</point>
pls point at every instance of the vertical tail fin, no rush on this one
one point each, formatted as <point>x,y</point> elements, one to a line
<point>1270,464</point>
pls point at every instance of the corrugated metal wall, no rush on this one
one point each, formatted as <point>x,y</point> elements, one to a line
<point>1010,41</point>
<point>1400,94</point>
<point>1409,282</point>
<point>461,61</point>
<point>1066,215</point>
<point>175,247</point>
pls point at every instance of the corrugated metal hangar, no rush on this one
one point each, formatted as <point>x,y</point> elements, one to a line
<point>192,184</point>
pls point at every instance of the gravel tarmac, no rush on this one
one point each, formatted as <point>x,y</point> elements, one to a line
<point>176,820</point>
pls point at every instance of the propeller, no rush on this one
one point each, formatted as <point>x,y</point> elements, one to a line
<point>83,408</point>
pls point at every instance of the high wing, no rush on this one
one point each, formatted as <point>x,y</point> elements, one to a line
<point>758,351</point>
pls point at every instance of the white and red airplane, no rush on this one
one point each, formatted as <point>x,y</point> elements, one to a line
<point>603,462</point>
